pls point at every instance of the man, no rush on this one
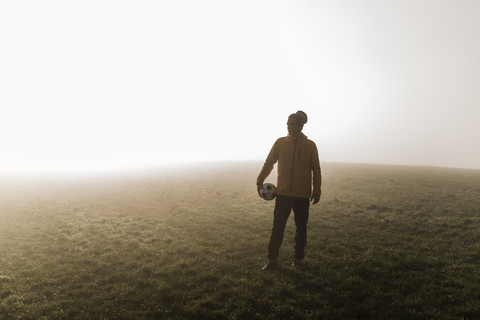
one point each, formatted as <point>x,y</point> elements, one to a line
<point>297,164</point>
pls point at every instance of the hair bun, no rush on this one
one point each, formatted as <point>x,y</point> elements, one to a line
<point>301,116</point>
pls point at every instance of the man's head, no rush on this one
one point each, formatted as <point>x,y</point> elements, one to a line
<point>295,122</point>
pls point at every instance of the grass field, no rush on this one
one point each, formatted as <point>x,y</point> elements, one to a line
<point>385,242</point>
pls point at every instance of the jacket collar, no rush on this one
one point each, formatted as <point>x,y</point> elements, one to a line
<point>301,136</point>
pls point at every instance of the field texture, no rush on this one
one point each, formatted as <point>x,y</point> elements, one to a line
<point>385,242</point>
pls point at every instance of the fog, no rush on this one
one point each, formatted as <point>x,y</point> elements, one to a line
<point>96,86</point>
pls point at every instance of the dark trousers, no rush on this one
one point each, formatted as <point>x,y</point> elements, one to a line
<point>283,207</point>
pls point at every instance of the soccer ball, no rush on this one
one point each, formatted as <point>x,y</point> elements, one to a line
<point>268,191</point>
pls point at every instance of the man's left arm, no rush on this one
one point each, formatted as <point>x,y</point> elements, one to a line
<point>317,176</point>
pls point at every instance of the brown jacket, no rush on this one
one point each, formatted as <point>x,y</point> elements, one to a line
<point>297,163</point>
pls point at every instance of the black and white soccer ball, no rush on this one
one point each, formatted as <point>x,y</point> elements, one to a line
<point>268,191</point>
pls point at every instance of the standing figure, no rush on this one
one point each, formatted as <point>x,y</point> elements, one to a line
<point>298,169</point>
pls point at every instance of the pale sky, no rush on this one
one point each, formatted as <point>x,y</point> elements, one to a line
<point>108,85</point>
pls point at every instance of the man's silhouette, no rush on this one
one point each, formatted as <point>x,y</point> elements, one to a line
<point>298,169</point>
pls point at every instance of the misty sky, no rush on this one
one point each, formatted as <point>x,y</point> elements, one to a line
<point>102,85</point>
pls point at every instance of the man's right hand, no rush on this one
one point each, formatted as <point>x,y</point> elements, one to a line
<point>259,187</point>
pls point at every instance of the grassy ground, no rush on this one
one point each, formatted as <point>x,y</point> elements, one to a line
<point>385,242</point>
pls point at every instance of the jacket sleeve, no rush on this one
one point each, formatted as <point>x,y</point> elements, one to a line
<point>268,165</point>
<point>317,172</point>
